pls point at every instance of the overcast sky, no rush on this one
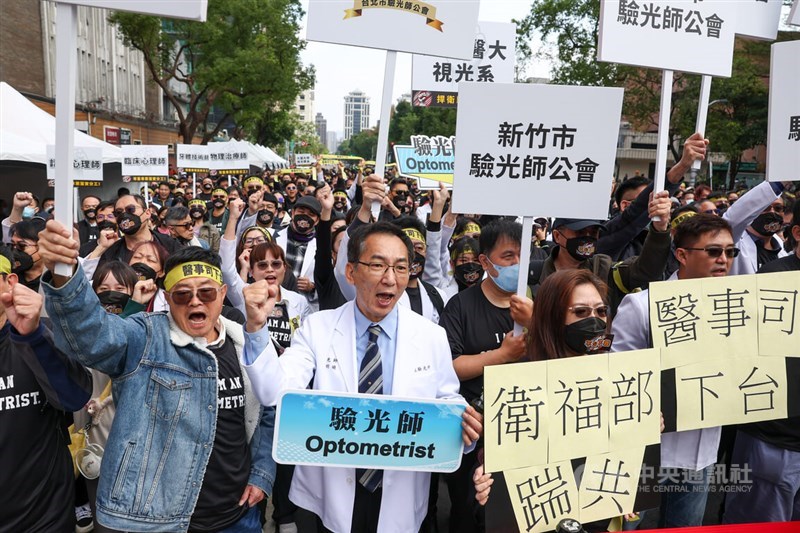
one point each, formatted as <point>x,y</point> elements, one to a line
<point>341,69</point>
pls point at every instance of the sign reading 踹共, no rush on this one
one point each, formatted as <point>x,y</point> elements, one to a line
<point>149,160</point>
<point>783,133</point>
<point>430,160</point>
<point>87,164</point>
<point>533,150</point>
<point>434,80</point>
<point>368,431</point>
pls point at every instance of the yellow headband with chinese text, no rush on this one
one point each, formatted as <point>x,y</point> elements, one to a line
<point>219,190</point>
<point>253,180</point>
<point>5,265</point>
<point>467,250</point>
<point>197,202</point>
<point>267,234</point>
<point>414,234</point>
<point>192,270</point>
<point>680,218</point>
<point>471,227</point>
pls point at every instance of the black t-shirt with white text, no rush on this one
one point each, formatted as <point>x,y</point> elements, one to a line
<point>229,465</point>
<point>474,325</point>
<point>280,326</point>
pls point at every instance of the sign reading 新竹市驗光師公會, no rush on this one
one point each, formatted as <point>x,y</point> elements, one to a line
<point>368,431</point>
<point>429,160</point>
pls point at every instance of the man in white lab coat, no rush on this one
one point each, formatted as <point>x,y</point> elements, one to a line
<point>414,361</point>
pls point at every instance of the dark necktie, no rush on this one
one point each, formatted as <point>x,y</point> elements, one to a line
<point>370,381</point>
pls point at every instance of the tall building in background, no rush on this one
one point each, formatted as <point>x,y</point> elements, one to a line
<point>332,141</point>
<point>305,106</point>
<point>356,113</point>
<point>322,127</point>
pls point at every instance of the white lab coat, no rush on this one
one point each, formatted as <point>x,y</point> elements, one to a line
<point>693,449</point>
<point>330,492</point>
<point>739,216</point>
<point>307,269</point>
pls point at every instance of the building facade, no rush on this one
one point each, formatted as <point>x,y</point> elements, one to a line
<point>356,113</point>
<point>304,106</point>
<point>322,127</point>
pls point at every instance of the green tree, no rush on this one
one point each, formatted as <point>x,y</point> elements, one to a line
<point>408,120</point>
<point>363,144</point>
<point>307,141</point>
<point>244,61</point>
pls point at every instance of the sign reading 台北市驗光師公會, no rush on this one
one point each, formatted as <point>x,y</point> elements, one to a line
<point>429,160</point>
<point>368,431</point>
<point>192,157</point>
<point>87,164</point>
<point>669,34</point>
<point>442,28</point>
<point>783,133</point>
<point>434,80</point>
<point>145,160</point>
<point>530,150</point>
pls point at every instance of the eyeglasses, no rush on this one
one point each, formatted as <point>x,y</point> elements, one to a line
<point>380,269</point>
<point>716,251</point>
<point>204,294</point>
<point>21,246</point>
<point>252,241</point>
<point>584,311</point>
<point>777,208</point>
<point>187,225</point>
<point>130,209</point>
<point>274,265</point>
<point>711,212</point>
<point>218,197</point>
<point>291,188</point>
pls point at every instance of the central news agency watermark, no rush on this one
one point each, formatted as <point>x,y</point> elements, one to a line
<point>720,478</point>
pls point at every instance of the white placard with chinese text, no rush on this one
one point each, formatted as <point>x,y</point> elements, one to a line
<point>435,27</point>
<point>192,157</point>
<point>493,54</point>
<point>87,164</point>
<point>759,18</point>
<point>145,160</point>
<point>228,156</point>
<point>783,133</point>
<point>669,34</point>
<point>303,160</point>
<point>535,150</point>
<point>174,9</point>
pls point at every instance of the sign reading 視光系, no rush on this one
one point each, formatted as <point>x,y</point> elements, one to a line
<point>434,80</point>
<point>430,160</point>
<point>303,160</point>
<point>192,157</point>
<point>87,164</point>
<point>783,133</point>
<point>368,431</point>
<point>228,158</point>
<point>528,149</point>
<point>434,27</point>
<point>669,34</point>
<point>174,9</point>
<point>145,160</point>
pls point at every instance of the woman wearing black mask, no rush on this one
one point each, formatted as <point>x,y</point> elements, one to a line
<point>198,211</point>
<point>464,264</point>
<point>25,241</point>
<point>147,260</point>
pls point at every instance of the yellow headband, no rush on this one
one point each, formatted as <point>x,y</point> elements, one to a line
<point>340,193</point>
<point>414,234</point>
<point>471,227</point>
<point>467,250</point>
<point>218,190</point>
<point>192,270</point>
<point>197,201</point>
<point>5,265</point>
<point>680,218</point>
<point>253,179</point>
<point>259,228</point>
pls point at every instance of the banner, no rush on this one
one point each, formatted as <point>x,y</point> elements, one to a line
<point>368,431</point>
<point>535,150</point>
<point>436,27</point>
<point>228,158</point>
<point>192,158</point>
<point>669,34</point>
<point>87,164</point>
<point>145,160</point>
<point>429,160</point>
<point>434,80</point>
<point>783,132</point>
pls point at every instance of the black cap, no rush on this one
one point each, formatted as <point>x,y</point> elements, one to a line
<point>309,202</point>
<point>576,224</point>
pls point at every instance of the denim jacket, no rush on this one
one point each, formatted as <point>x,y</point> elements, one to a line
<point>165,389</point>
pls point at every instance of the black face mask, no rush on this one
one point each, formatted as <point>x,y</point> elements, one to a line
<point>582,248</point>
<point>113,302</point>
<point>588,336</point>
<point>197,213</point>
<point>208,187</point>
<point>768,223</point>
<point>129,224</point>
<point>105,225</point>
<point>90,214</point>
<point>22,263</point>
<point>218,204</point>
<point>340,206</point>
<point>468,274</point>
<point>144,271</point>
<point>303,224</point>
<point>417,266</point>
<point>399,200</point>
<point>265,217</point>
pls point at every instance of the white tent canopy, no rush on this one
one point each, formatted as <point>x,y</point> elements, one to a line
<point>26,130</point>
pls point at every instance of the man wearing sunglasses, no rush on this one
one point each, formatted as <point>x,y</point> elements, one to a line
<point>704,248</point>
<point>181,227</point>
<point>189,432</point>
<point>132,217</point>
